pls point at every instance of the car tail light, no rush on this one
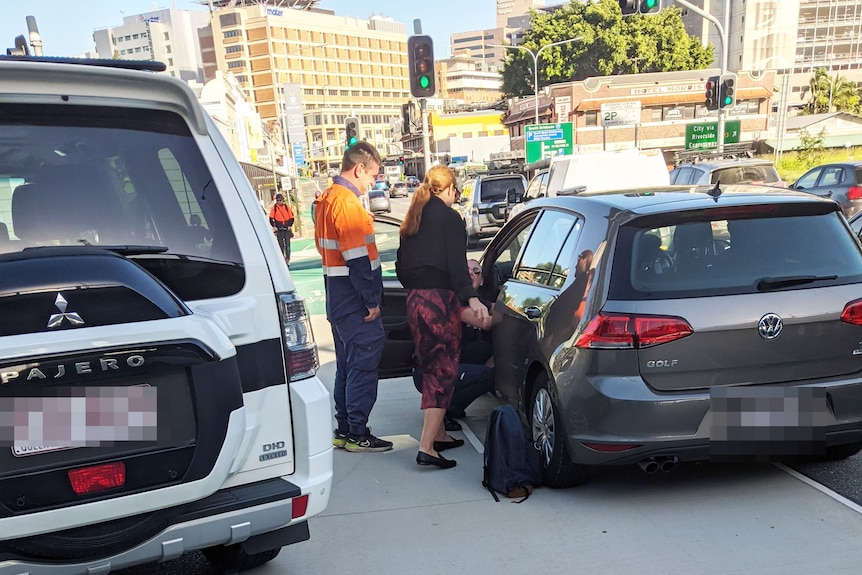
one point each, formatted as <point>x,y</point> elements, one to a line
<point>624,331</point>
<point>854,193</point>
<point>300,506</point>
<point>300,350</point>
<point>98,477</point>
<point>852,312</point>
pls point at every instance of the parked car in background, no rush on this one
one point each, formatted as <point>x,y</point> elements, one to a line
<point>839,181</point>
<point>485,205</point>
<point>728,171</point>
<point>412,184</point>
<point>378,201</point>
<point>381,185</point>
<point>398,190</point>
<point>661,325</point>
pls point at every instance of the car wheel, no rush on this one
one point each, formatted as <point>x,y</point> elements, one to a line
<point>233,558</point>
<point>547,431</point>
<point>838,452</point>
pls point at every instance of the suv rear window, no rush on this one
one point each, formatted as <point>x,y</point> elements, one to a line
<point>496,190</point>
<point>732,251</point>
<point>752,174</point>
<point>74,175</point>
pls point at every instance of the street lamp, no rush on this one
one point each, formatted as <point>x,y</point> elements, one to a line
<point>535,56</point>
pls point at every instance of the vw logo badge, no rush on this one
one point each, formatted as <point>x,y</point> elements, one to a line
<point>770,326</point>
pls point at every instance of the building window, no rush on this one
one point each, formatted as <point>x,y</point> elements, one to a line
<point>655,114</point>
<point>170,61</point>
<point>231,34</point>
<point>591,118</point>
<point>167,37</point>
<point>119,39</point>
<point>229,20</point>
<point>167,49</point>
<point>238,64</point>
<point>127,38</point>
<point>137,50</point>
<point>233,49</point>
<point>135,36</point>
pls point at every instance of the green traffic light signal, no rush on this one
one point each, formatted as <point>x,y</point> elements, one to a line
<point>423,82</point>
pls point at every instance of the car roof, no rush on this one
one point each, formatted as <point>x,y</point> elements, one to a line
<point>679,198</point>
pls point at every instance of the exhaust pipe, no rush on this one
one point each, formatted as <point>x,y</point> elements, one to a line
<point>649,465</point>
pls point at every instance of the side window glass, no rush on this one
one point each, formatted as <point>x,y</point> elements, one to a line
<point>197,231</point>
<point>809,180</point>
<point>832,176</point>
<point>387,238</point>
<point>539,260</point>
<point>562,267</point>
<point>681,175</point>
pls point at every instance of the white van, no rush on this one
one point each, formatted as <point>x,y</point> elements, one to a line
<point>156,357</point>
<point>606,171</point>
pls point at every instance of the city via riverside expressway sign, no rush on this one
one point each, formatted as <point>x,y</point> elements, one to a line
<point>705,135</point>
<point>546,140</point>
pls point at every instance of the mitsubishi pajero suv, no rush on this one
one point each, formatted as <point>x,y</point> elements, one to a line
<point>157,367</point>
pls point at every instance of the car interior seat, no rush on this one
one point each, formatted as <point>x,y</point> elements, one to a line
<point>693,247</point>
<point>649,257</point>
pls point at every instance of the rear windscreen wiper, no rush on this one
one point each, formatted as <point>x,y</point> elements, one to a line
<point>122,249</point>
<point>771,283</point>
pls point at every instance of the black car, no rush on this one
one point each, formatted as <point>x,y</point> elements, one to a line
<point>656,326</point>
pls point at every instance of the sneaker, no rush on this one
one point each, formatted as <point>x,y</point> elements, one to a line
<point>339,439</point>
<point>367,442</point>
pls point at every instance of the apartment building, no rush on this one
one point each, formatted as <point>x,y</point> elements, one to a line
<point>343,66</point>
<point>168,36</point>
<point>468,80</point>
<point>792,37</point>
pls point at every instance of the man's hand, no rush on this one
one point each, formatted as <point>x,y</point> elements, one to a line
<point>373,313</point>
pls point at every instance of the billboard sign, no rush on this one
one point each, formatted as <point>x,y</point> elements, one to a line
<point>546,140</point>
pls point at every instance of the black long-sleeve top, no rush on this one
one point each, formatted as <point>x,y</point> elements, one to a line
<point>436,256</point>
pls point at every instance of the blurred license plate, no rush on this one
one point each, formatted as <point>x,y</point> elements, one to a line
<point>768,422</point>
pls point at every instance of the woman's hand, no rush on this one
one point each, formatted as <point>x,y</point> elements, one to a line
<point>479,309</point>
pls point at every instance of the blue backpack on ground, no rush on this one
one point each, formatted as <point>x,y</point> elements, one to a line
<point>513,463</point>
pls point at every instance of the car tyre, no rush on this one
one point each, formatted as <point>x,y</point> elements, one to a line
<point>546,425</point>
<point>234,558</point>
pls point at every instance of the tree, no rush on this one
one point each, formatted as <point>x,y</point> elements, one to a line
<point>811,147</point>
<point>611,44</point>
<point>831,94</point>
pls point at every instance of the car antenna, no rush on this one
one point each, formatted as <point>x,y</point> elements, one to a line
<point>715,192</point>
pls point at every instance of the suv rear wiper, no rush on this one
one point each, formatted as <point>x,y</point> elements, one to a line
<point>122,249</point>
<point>771,283</point>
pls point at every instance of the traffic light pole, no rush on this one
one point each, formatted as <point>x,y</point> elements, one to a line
<point>722,34</point>
<point>426,140</point>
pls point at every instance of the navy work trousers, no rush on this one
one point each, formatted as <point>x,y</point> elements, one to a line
<point>358,348</point>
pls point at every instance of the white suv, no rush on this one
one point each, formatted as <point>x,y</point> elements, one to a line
<point>158,361</point>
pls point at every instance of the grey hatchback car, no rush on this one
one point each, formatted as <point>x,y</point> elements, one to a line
<point>839,181</point>
<point>679,324</point>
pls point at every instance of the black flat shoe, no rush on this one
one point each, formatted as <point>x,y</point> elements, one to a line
<point>423,458</point>
<point>451,424</point>
<point>443,445</point>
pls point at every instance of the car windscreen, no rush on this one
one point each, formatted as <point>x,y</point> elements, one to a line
<point>733,251</point>
<point>132,180</point>
<point>746,174</point>
<point>497,190</point>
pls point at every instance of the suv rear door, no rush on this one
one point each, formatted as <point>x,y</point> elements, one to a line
<point>762,289</point>
<point>491,198</point>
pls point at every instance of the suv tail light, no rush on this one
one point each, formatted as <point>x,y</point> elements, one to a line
<point>624,331</point>
<point>854,193</point>
<point>300,350</point>
<point>852,312</point>
<point>86,480</point>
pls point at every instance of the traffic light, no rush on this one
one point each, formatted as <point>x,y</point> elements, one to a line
<point>629,7</point>
<point>351,132</point>
<point>420,61</point>
<point>727,91</point>
<point>401,160</point>
<point>711,88</point>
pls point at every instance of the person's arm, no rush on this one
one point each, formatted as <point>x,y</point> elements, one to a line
<point>469,317</point>
<point>354,226</point>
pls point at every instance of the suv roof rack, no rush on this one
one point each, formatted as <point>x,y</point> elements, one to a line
<point>146,65</point>
<point>731,152</point>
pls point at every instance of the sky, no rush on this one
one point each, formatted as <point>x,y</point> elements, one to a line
<point>67,27</point>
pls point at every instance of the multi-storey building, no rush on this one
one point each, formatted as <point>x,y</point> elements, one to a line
<point>512,8</point>
<point>467,80</point>
<point>792,37</point>
<point>484,45</point>
<point>343,66</point>
<point>168,36</point>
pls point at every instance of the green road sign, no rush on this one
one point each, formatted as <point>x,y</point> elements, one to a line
<point>546,140</point>
<point>698,136</point>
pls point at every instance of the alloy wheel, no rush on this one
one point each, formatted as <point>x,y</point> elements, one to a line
<point>544,424</point>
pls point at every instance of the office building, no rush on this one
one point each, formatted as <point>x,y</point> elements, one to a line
<point>331,66</point>
<point>512,8</point>
<point>467,80</point>
<point>168,36</point>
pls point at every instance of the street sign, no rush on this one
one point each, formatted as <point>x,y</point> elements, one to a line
<point>699,136</point>
<point>298,154</point>
<point>546,140</point>
<point>621,113</point>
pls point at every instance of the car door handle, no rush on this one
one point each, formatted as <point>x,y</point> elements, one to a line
<point>533,312</point>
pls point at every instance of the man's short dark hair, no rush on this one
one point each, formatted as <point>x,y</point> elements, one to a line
<point>360,153</point>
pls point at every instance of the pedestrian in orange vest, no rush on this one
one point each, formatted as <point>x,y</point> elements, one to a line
<point>281,218</point>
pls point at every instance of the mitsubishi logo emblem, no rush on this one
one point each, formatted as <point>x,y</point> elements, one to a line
<point>56,320</point>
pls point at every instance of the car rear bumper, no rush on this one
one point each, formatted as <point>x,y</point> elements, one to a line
<point>621,427</point>
<point>229,516</point>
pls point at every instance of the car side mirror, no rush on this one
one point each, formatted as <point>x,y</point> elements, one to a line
<point>513,197</point>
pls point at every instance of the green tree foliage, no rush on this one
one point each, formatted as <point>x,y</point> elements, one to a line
<point>810,147</point>
<point>611,44</point>
<point>831,94</point>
